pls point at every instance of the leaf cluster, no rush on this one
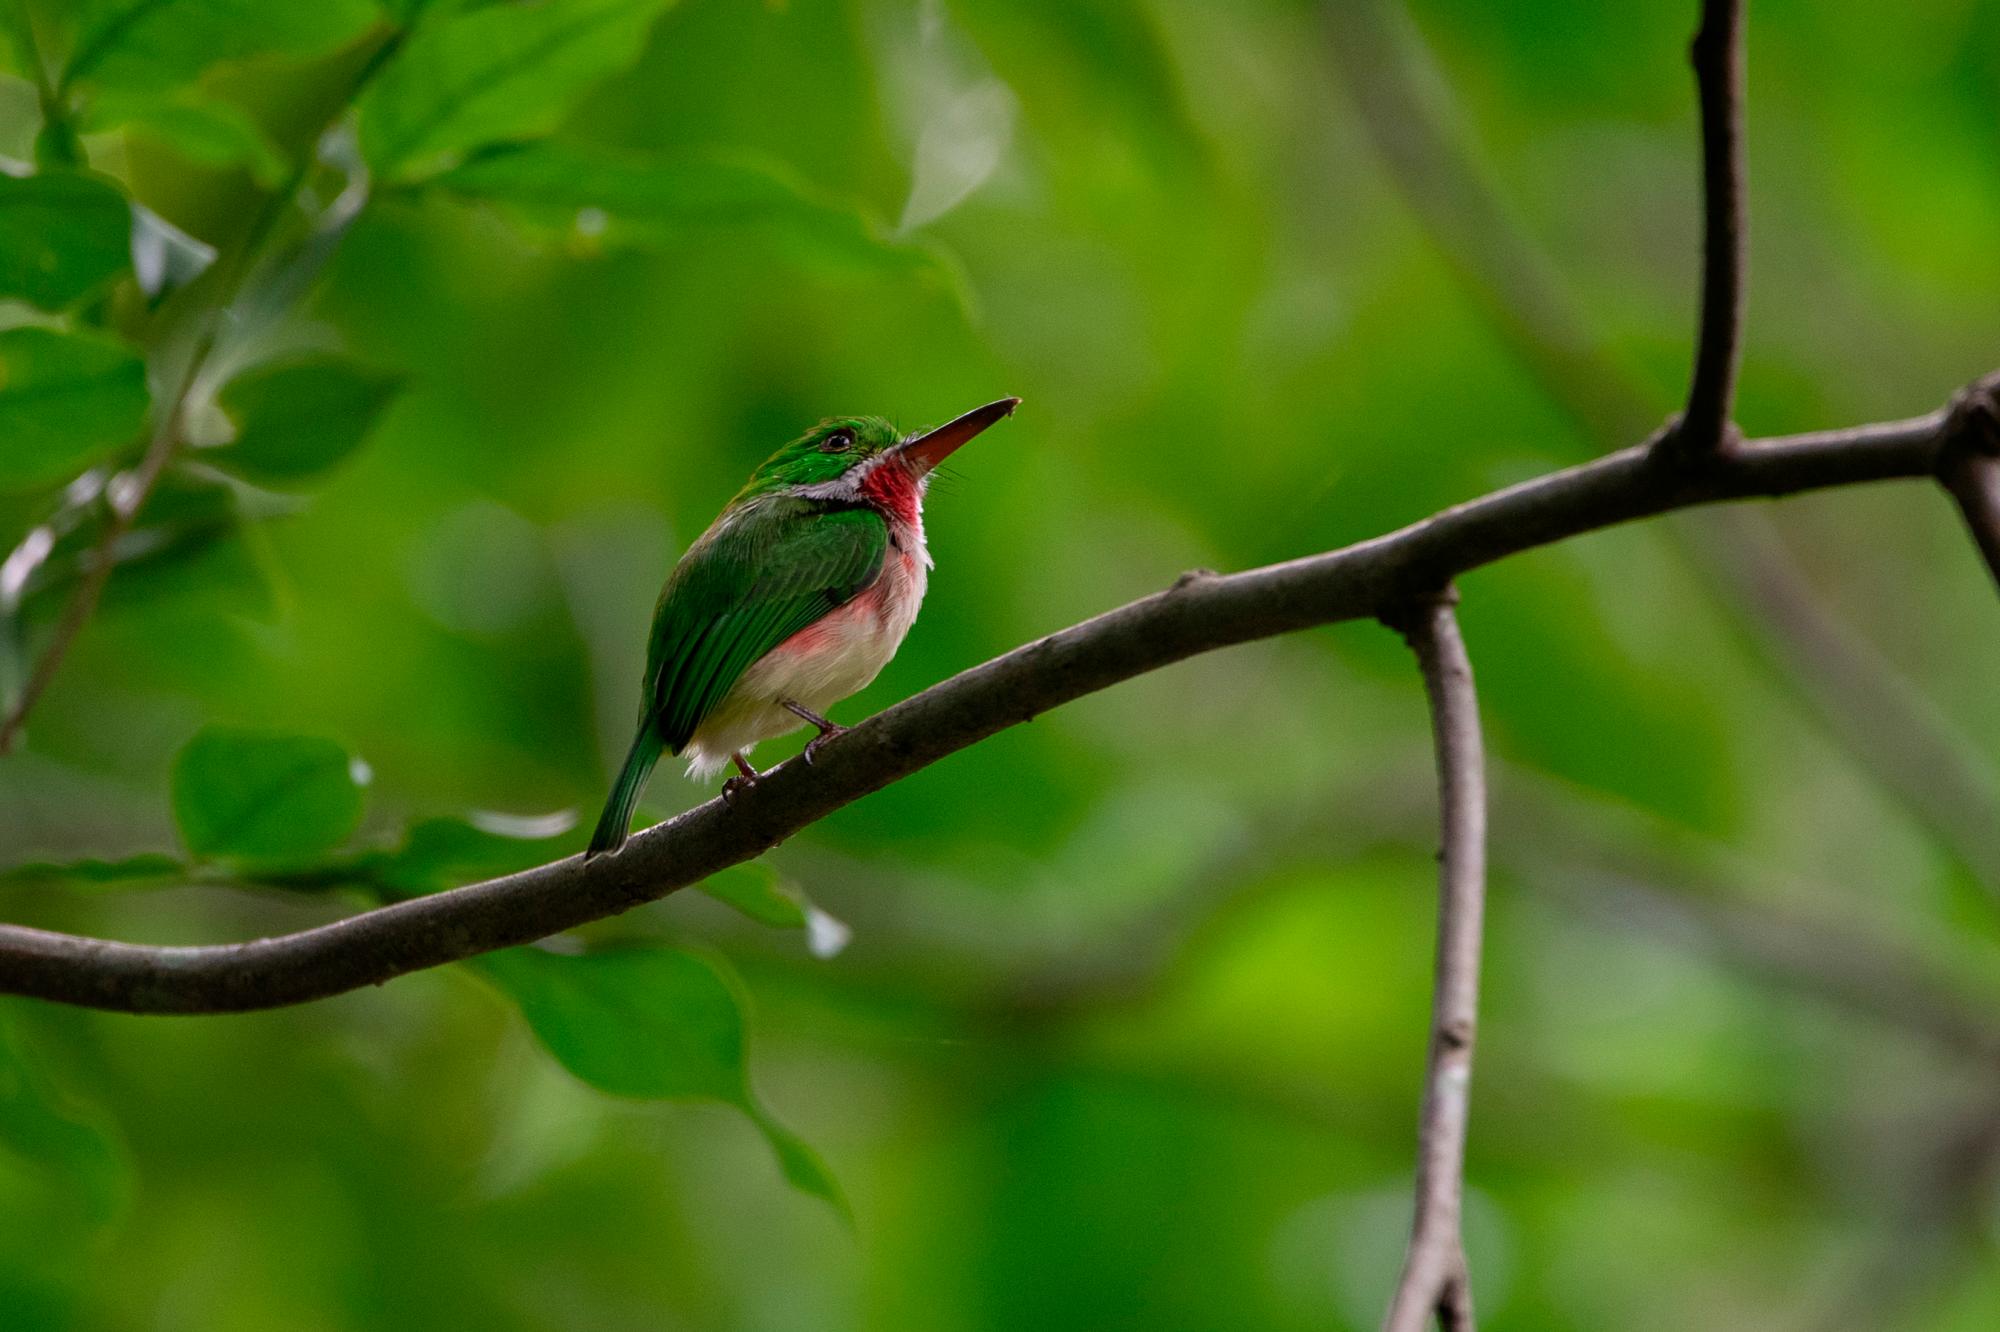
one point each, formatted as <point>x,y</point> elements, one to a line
<point>163,391</point>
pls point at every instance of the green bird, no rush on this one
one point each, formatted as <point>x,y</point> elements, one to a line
<point>795,597</point>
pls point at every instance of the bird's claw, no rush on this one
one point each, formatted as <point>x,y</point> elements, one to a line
<point>812,745</point>
<point>736,786</point>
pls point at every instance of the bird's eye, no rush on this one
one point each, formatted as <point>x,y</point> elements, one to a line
<point>840,441</point>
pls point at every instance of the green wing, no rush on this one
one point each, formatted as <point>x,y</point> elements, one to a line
<point>750,583</point>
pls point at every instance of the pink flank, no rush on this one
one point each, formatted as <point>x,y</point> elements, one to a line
<point>826,631</point>
<point>834,631</point>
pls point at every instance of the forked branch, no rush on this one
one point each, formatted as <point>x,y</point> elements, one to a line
<point>1853,692</point>
<point>1434,1280</point>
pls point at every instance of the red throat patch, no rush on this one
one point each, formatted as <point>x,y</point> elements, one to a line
<point>891,488</point>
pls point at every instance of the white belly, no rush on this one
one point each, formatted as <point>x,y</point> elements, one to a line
<point>825,662</point>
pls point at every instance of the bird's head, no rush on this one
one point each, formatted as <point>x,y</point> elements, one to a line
<point>835,459</point>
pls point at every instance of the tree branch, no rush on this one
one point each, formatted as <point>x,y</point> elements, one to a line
<point>1717,55</point>
<point>1434,1278</point>
<point>1400,99</point>
<point>1865,975</point>
<point>1937,1233</point>
<point>1198,614</point>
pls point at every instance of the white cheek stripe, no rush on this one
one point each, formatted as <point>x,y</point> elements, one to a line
<point>840,488</point>
<point>846,487</point>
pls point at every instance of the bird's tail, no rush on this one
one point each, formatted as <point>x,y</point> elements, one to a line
<point>616,823</point>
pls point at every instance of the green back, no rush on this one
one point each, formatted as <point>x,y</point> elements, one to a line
<point>765,571</point>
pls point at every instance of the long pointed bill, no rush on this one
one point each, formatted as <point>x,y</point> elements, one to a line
<point>928,450</point>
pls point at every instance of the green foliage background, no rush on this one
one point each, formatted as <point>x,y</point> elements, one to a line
<point>1129,1032</point>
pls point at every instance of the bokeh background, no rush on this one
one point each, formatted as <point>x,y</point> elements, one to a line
<point>1130,1029</point>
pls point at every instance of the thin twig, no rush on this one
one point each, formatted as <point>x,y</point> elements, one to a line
<point>1934,1236</point>
<point>1198,614</point>
<point>1717,55</point>
<point>128,495</point>
<point>123,501</point>
<point>1866,975</point>
<point>1617,871</point>
<point>1671,897</point>
<point>1402,105</point>
<point>1434,1279</point>
<point>1897,734</point>
<point>54,110</point>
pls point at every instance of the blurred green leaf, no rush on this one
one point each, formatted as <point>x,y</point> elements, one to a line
<point>407,12</point>
<point>629,199</point>
<point>804,1168</point>
<point>1113,59</point>
<point>643,1021</point>
<point>186,514</point>
<point>155,44</point>
<point>17,44</point>
<point>297,418</point>
<point>502,72</point>
<point>51,1131</point>
<point>58,147</point>
<point>759,892</point>
<point>258,795</point>
<point>205,130</point>
<point>756,890</point>
<point>650,1022</point>
<point>444,852</point>
<point>126,869</point>
<point>63,235</point>
<point>66,399</point>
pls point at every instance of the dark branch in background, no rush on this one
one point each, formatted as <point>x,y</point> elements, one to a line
<point>1200,613</point>
<point>1898,736</point>
<point>1620,871</point>
<point>1935,1229</point>
<point>1434,1279</point>
<point>1718,70</point>
<point>1377,50</point>
<point>1637,875</point>
<point>1859,974</point>
<point>1936,1234</point>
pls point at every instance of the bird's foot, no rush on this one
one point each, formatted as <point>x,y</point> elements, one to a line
<point>745,779</point>
<point>827,729</point>
<point>832,730</point>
